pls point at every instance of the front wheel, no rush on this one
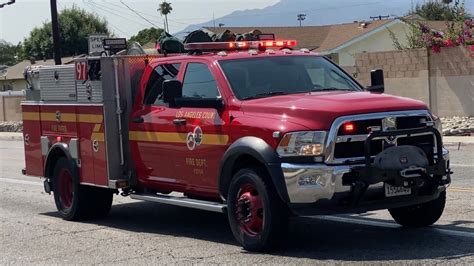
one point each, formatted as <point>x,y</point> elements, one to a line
<point>75,201</point>
<point>420,215</point>
<point>257,216</point>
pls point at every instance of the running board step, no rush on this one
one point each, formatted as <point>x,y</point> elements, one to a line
<point>183,202</point>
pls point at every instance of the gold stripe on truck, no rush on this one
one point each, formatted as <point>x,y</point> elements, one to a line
<point>31,116</point>
<point>65,117</point>
<point>149,136</point>
<point>88,118</point>
<point>98,136</point>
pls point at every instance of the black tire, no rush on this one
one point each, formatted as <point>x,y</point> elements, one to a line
<point>420,215</point>
<point>101,201</point>
<point>75,201</point>
<point>271,226</point>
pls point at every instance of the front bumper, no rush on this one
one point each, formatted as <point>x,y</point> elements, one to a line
<point>320,189</point>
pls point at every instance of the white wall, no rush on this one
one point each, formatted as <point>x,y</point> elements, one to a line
<point>378,42</point>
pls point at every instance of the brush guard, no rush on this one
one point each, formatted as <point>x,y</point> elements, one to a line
<point>413,167</point>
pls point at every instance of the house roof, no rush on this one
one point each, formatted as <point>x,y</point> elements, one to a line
<point>16,71</point>
<point>316,38</point>
<point>435,25</point>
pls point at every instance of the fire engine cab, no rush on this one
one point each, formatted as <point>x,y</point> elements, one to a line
<point>252,129</point>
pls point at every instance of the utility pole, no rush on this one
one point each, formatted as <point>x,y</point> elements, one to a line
<point>301,17</point>
<point>56,40</point>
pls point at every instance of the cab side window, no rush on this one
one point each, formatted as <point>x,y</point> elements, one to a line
<point>199,82</point>
<point>154,87</point>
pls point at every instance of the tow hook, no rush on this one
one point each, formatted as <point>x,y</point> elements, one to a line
<point>47,186</point>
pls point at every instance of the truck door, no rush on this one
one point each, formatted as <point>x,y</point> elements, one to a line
<point>154,141</point>
<point>198,159</point>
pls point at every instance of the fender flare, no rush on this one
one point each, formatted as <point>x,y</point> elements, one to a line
<point>56,151</point>
<point>261,151</point>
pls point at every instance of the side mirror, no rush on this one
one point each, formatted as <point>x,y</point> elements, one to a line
<point>172,89</point>
<point>377,81</point>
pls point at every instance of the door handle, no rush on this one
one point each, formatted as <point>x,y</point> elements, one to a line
<point>138,119</point>
<point>179,122</point>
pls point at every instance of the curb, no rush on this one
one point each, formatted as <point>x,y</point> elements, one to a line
<point>458,140</point>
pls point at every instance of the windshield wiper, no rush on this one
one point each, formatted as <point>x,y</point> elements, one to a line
<point>266,94</point>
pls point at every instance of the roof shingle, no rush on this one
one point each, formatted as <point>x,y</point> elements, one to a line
<point>316,38</point>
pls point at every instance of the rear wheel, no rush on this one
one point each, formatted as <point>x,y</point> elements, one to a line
<point>257,216</point>
<point>420,215</point>
<point>75,201</point>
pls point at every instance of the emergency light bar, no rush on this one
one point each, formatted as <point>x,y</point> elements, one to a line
<point>244,45</point>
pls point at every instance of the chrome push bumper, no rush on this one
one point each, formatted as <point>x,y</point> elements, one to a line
<point>313,183</point>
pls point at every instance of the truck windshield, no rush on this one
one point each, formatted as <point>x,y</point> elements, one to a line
<point>252,78</point>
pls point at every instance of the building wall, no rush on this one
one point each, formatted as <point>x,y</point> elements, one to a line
<point>10,109</point>
<point>16,85</point>
<point>378,42</point>
<point>452,74</point>
<point>444,81</point>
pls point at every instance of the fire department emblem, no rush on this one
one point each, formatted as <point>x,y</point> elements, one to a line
<point>95,145</point>
<point>27,139</point>
<point>194,138</point>
<point>58,116</point>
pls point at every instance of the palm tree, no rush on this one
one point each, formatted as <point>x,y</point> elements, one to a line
<point>164,9</point>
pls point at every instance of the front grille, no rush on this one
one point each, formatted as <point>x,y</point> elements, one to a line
<point>363,126</point>
<point>350,145</point>
<point>356,149</point>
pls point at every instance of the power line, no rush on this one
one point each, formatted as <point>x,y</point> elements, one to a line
<point>154,20</point>
<point>95,6</point>
<point>11,2</point>
<point>92,8</point>
<point>139,14</point>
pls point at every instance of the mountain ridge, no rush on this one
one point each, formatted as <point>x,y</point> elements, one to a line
<point>284,13</point>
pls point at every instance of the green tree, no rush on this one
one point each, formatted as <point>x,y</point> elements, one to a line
<point>164,9</point>
<point>75,26</point>
<point>9,53</point>
<point>445,10</point>
<point>146,36</point>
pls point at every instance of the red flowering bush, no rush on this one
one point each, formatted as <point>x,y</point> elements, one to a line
<point>457,34</point>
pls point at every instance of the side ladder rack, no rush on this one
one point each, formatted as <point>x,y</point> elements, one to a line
<point>183,202</point>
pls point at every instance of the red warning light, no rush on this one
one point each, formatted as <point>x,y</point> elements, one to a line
<point>349,128</point>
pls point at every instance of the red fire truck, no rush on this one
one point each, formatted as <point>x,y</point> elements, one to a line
<point>243,128</point>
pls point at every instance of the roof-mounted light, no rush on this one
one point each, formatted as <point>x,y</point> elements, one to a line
<point>243,45</point>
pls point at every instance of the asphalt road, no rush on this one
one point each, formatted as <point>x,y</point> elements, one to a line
<point>140,232</point>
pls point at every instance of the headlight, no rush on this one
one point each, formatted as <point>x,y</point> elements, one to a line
<point>305,143</point>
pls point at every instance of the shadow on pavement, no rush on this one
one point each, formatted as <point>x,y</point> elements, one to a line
<point>308,237</point>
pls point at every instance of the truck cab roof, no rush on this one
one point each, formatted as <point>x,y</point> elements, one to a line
<point>231,55</point>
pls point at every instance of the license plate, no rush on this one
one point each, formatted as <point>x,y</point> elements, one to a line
<point>391,191</point>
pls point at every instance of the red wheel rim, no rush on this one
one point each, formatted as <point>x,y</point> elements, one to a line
<point>66,193</point>
<point>249,210</point>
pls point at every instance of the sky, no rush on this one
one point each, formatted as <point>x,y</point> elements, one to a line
<point>17,20</point>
